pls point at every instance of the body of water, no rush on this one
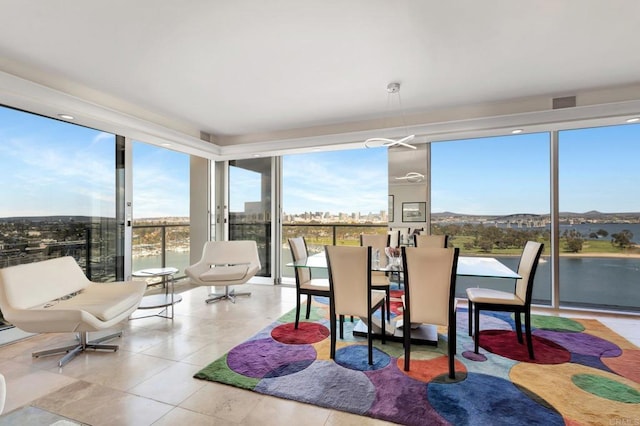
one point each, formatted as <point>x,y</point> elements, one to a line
<point>604,282</point>
<point>597,282</point>
<point>587,229</point>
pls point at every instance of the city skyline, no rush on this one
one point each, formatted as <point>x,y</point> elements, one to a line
<point>53,168</point>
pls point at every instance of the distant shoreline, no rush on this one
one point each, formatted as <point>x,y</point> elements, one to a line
<point>611,255</point>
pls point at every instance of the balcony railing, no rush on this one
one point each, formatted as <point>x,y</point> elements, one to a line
<point>160,246</point>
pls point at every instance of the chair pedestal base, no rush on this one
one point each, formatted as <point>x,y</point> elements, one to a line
<point>73,350</point>
<point>228,295</point>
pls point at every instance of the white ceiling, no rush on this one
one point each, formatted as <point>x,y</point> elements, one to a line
<point>255,70</point>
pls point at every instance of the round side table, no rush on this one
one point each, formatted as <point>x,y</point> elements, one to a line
<point>156,301</point>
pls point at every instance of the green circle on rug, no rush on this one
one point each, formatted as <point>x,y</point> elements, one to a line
<point>606,388</point>
<point>556,323</point>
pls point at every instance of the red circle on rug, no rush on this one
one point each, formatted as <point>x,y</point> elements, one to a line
<point>505,343</point>
<point>307,333</point>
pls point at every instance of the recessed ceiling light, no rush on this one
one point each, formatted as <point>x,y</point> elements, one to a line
<point>516,131</point>
<point>256,155</point>
<point>66,116</point>
<point>633,120</point>
<point>166,144</point>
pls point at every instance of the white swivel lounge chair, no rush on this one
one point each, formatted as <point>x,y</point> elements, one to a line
<point>54,296</point>
<point>223,264</point>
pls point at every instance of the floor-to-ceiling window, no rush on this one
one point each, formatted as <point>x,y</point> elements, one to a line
<point>332,198</point>
<point>160,235</point>
<point>491,195</point>
<point>599,204</point>
<point>57,192</point>
<point>250,205</point>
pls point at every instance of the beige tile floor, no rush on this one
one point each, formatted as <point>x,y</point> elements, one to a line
<point>149,380</point>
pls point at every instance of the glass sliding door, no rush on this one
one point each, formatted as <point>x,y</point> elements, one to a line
<point>58,192</point>
<point>599,200</point>
<point>160,235</point>
<point>491,195</point>
<point>250,205</point>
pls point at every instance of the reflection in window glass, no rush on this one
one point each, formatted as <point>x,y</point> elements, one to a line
<point>491,195</point>
<point>600,217</point>
<point>250,206</point>
<point>57,188</point>
<point>160,208</point>
<point>332,198</point>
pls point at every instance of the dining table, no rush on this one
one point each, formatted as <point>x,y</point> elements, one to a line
<point>468,266</point>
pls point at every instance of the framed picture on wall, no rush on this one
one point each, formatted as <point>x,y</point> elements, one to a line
<point>390,209</point>
<point>414,212</point>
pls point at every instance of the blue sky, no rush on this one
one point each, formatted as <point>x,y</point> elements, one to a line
<point>50,167</point>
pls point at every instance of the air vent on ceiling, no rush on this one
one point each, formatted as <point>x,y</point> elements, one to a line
<point>205,136</point>
<point>565,102</point>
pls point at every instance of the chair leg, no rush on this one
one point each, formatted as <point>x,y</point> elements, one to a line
<point>476,332</point>
<point>527,325</point>
<point>451,328</point>
<point>228,295</point>
<point>518,327</point>
<point>384,328</point>
<point>73,350</point>
<point>370,338</point>
<point>308,305</point>
<point>332,329</point>
<point>406,334</point>
<point>388,305</point>
<point>341,327</point>
<point>297,311</point>
<point>470,314</point>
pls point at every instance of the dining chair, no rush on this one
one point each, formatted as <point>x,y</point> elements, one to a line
<point>394,237</point>
<point>518,301</point>
<point>351,291</point>
<point>305,284</point>
<point>379,279</point>
<point>429,294</point>
<point>421,240</point>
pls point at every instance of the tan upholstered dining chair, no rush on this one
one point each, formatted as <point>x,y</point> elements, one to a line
<point>351,291</point>
<point>518,301</point>
<point>421,240</point>
<point>379,279</point>
<point>429,294</point>
<point>305,284</point>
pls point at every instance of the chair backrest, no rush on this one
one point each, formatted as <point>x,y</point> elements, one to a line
<point>527,270</point>
<point>394,238</point>
<point>232,252</point>
<point>376,242</point>
<point>298,247</point>
<point>31,284</point>
<point>437,241</point>
<point>349,279</point>
<point>430,283</point>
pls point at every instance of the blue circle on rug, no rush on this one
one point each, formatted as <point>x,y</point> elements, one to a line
<point>267,358</point>
<point>482,399</point>
<point>356,357</point>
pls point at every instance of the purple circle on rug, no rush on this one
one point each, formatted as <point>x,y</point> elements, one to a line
<point>581,343</point>
<point>268,358</point>
<point>471,355</point>
<point>401,399</point>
